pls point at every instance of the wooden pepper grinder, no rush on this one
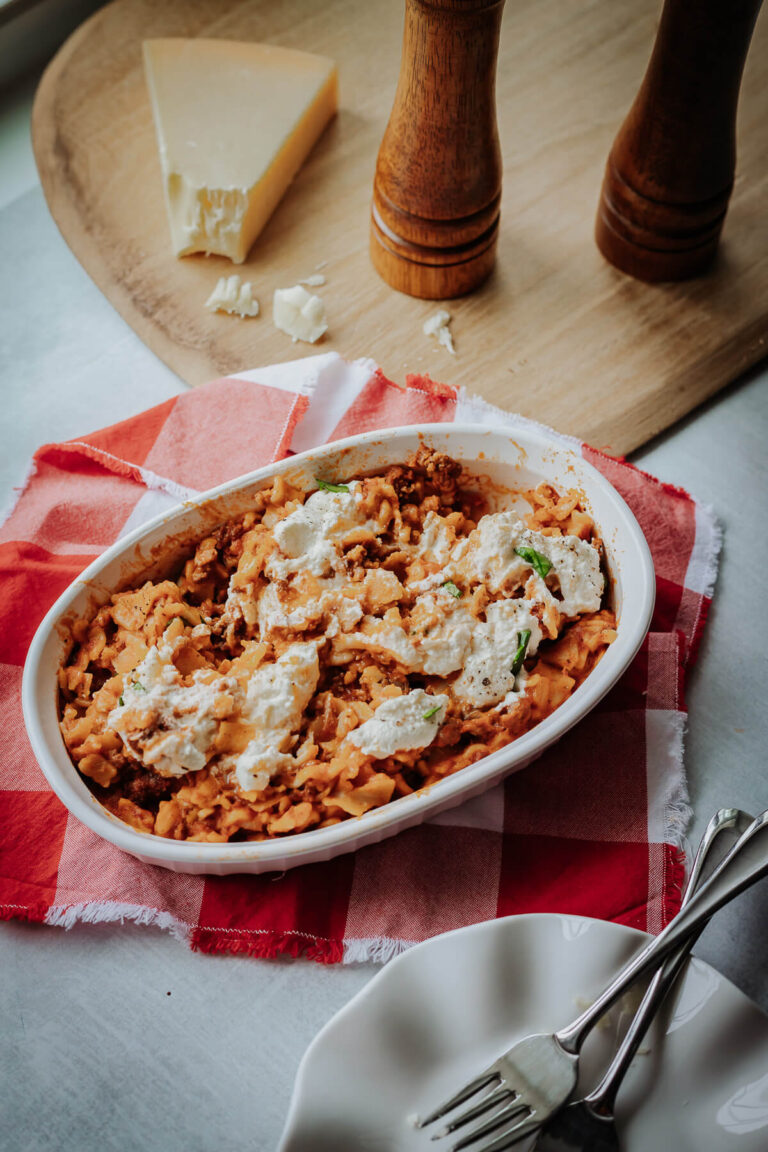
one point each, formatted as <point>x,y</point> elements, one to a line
<point>436,194</point>
<point>670,172</point>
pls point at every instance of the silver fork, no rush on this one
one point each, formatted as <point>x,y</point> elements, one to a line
<point>531,1081</point>
<point>588,1125</point>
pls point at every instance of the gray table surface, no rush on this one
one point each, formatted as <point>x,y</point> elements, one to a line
<point>117,1038</point>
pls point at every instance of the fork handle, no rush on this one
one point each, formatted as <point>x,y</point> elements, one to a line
<point>602,1098</point>
<point>744,865</point>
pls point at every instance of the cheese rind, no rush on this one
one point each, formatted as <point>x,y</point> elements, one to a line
<point>235,122</point>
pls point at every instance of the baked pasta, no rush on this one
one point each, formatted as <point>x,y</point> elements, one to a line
<point>327,653</point>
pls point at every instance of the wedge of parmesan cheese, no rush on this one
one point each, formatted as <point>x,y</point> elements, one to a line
<point>299,314</point>
<point>233,296</point>
<point>235,122</point>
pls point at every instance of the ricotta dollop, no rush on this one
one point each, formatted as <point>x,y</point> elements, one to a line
<point>170,726</point>
<point>400,724</point>
<point>493,555</point>
<point>275,699</point>
<point>309,539</point>
<point>487,676</point>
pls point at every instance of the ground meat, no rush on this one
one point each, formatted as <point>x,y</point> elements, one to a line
<point>147,789</point>
<point>427,473</point>
<point>438,467</point>
<point>229,542</point>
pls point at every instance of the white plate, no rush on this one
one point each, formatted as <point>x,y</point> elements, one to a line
<point>511,462</point>
<point>439,1013</point>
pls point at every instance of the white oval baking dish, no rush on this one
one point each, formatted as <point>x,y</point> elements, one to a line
<point>152,550</point>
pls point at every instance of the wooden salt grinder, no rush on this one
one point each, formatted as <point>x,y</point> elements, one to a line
<point>670,172</point>
<point>437,189</point>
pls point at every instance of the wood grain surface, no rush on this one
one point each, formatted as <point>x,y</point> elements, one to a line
<point>670,172</point>
<point>437,188</point>
<point>555,333</point>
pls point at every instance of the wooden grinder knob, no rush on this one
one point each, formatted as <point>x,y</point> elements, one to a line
<point>670,172</point>
<point>436,194</point>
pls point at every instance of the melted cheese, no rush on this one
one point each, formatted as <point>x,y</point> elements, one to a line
<point>168,725</point>
<point>444,627</point>
<point>438,541</point>
<point>328,607</point>
<point>491,556</point>
<point>310,538</point>
<point>172,726</point>
<point>276,697</point>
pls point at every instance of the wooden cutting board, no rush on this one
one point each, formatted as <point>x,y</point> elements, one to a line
<point>556,333</point>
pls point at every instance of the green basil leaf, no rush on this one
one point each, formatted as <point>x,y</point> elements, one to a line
<point>138,687</point>
<point>190,620</point>
<point>121,702</point>
<point>454,591</point>
<point>538,562</point>
<point>326,487</point>
<point>432,712</point>
<point>523,639</point>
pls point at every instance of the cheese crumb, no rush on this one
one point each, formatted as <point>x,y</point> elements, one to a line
<point>316,280</point>
<point>299,314</point>
<point>437,325</point>
<point>233,296</point>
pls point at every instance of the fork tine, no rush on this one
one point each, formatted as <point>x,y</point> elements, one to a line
<point>520,1131</point>
<point>482,1081</point>
<point>509,1113</point>
<point>499,1096</point>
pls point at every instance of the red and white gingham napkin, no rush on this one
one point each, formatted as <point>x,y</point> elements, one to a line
<point>593,828</point>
